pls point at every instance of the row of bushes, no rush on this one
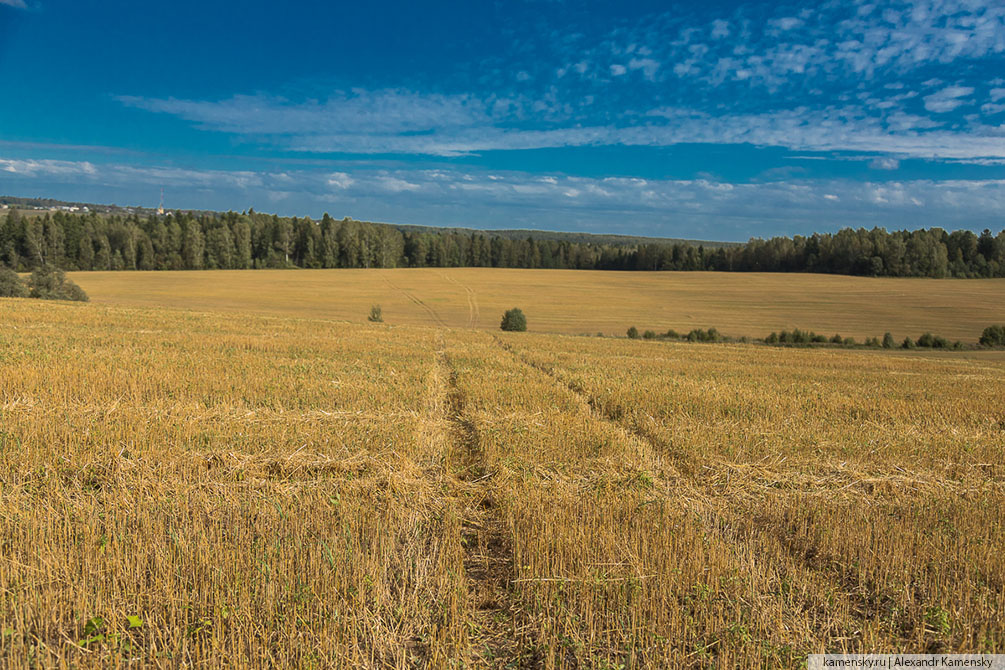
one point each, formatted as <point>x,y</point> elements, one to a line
<point>804,337</point>
<point>993,336</point>
<point>46,282</point>
<point>696,335</point>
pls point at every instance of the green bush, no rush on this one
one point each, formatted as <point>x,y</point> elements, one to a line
<point>11,285</point>
<point>888,341</point>
<point>799,337</point>
<point>376,314</point>
<point>836,339</point>
<point>848,342</point>
<point>514,320</point>
<point>672,334</point>
<point>50,283</point>
<point>993,336</point>
<point>649,335</point>
<point>908,343</point>
<point>633,333</point>
<point>699,335</point>
<point>930,341</point>
<point>772,338</point>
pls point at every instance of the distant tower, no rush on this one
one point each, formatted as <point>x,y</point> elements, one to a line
<point>160,208</point>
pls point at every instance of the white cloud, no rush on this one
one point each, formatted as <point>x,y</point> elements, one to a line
<point>947,99</point>
<point>460,125</point>
<point>511,198</point>
<point>618,69</point>
<point>648,66</point>
<point>19,4</point>
<point>720,29</point>
<point>884,163</point>
<point>340,180</point>
<point>395,185</point>
<point>997,94</point>
<point>785,23</point>
<point>356,111</point>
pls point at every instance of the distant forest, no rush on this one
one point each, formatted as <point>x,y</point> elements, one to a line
<point>194,241</point>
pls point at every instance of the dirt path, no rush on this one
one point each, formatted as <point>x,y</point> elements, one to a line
<point>488,560</point>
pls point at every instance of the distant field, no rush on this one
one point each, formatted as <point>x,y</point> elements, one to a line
<point>574,302</point>
<point>182,489</point>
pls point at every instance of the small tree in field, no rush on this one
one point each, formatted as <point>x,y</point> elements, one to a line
<point>11,285</point>
<point>376,315</point>
<point>888,341</point>
<point>514,320</point>
<point>633,333</point>
<point>50,283</point>
<point>993,336</point>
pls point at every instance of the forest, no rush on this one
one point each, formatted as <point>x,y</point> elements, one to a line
<point>190,241</point>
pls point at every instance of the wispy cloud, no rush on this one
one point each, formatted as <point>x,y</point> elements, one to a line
<point>409,123</point>
<point>674,78</point>
<point>947,99</point>
<point>19,4</point>
<point>458,197</point>
<point>884,163</point>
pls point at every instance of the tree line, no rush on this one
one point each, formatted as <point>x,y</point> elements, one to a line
<point>188,241</point>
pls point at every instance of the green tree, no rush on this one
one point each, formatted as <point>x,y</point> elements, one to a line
<point>514,320</point>
<point>50,283</point>
<point>888,341</point>
<point>993,336</point>
<point>11,285</point>
<point>633,333</point>
<point>193,245</point>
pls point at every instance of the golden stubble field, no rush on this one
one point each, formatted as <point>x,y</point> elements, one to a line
<point>183,489</point>
<point>576,301</point>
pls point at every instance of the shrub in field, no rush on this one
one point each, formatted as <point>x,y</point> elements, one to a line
<point>514,320</point>
<point>836,339</point>
<point>908,343</point>
<point>376,314</point>
<point>930,341</point>
<point>699,335</point>
<point>672,334</point>
<point>993,336</point>
<point>771,339</point>
<point>888,341</point>
<point>11,285</point>
<point>820,339</point>
<point>797,337</point>
<point>633,333</point>
<point>848,342</point>
<point>50,283</point>
<point>649,335</point>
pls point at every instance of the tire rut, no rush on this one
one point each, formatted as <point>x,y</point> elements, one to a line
<point>718,520</point>
<point>486,538</point>
<point>474,313</point>
<point>418,301</point>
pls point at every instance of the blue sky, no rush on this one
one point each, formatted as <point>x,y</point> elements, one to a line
<point>714,120</point>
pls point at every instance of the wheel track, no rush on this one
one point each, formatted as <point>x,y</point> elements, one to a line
<point>474,313</point>
<point>718,519</point>
<point>488,551</point>
<point>429,310</point>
